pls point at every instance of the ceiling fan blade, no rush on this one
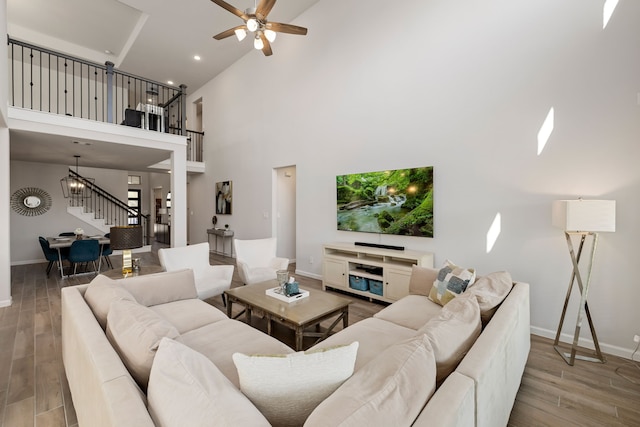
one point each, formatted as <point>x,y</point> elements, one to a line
<point>286,28</point>
<point>266,49</point>
<point>264,8</point>
<point>232,9</point>
<point>229,32</point>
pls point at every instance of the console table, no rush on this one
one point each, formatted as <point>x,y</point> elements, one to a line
<point>386,271</point>
<point>224,233</point>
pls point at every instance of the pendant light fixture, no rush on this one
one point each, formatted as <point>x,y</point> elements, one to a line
<point>76,187</point>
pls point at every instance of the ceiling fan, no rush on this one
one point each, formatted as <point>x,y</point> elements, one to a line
<point>255,21</point>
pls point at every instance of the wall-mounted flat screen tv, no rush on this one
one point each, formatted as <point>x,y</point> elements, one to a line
<point>387,202</point>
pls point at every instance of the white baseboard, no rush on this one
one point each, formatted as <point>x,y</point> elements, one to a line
<point>6,303</point>
<point>587,343</point>
<point>307,274</point>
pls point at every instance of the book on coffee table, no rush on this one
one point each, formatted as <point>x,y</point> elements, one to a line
<point>277,293</point>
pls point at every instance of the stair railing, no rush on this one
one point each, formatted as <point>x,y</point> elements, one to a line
<point>106,206</point>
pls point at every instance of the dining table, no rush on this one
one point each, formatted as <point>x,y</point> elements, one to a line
<point>61,242</point>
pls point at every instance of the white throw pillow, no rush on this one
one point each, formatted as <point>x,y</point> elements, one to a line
<point>187,389</point>
<point>390,390</point>
<point>452,333</point>
<point>135,332</point>
<point>287,388</point>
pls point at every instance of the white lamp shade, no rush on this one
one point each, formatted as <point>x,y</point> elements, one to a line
<point>584,215</point>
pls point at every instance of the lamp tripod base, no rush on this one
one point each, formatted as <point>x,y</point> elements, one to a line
<point>583,309</point>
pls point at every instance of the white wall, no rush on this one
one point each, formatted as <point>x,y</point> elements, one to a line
<point>5,248</point>
<point>462,86</point>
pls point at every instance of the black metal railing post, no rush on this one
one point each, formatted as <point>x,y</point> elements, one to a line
<point>110,66</point>
<point>183,109</point>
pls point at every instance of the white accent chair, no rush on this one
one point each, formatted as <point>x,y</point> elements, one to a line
<point>257,260</point>
<point>211,280</point>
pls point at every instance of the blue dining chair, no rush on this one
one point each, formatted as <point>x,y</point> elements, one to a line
<point>106,251</point>
<point>84,251</point>
<point>50,254</point>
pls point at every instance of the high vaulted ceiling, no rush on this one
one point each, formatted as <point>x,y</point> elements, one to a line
<point>156,39</point>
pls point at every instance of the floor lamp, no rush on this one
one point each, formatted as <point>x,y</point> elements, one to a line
<point>582,218</point>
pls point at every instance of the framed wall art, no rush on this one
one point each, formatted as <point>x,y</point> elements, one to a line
<point>223,197</point>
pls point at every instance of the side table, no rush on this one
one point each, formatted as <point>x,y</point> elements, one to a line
<point>224,233</point>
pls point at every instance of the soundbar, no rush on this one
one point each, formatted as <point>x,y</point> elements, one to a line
<point>377,245</point>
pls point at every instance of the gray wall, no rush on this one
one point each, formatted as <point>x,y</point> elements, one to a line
<point>463,86</point>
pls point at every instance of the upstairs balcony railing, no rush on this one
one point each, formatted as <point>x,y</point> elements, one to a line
<point>45,80</point>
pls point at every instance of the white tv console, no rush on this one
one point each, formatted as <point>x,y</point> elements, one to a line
<point>390,267</point>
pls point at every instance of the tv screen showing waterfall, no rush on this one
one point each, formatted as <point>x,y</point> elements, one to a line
<point>387,202</point>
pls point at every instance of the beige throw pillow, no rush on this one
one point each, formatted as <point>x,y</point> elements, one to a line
<point>453,332</point>
<point>100,293</point>
<point>490,291</point>
<point>421,280</point>
<point>451,282</point>
<point>135,332</point>
<point>390,390</point>
<point>187,389</point>
<point>287,388</point>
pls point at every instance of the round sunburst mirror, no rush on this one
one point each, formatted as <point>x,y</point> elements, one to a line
<point>30,201</point>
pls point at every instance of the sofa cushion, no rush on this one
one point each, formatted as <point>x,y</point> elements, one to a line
<point>186,389</point>
<point>412,311</point>
<point>421,280</point>
<point>287,388</point>
<point>135,332</point>
<point>374,335</point>
<point>391,390</point>
<point>453,332</point>
<point>100,293</point>
<point>160,288</point>
<point>490,291</point>
<point>218,341</point>
<point>189,314</point>
<point>451,282</point>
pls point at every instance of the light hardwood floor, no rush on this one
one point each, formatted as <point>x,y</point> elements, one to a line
<point>34,390</point>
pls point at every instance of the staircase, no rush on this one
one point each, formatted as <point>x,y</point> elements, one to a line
<point>102,210</point>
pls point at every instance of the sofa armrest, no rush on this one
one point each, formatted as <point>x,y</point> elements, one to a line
<point>452,405</point>
<point>497,359</point>
<point>95,373</point>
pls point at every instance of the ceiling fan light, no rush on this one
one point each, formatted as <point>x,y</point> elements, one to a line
<point>252,24</point>
<point>241,34</point>
<point>257,43</point>
<point>270,35</point>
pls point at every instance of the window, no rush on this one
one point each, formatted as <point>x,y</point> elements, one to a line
<point>133,202</point>
<point>134,179</point>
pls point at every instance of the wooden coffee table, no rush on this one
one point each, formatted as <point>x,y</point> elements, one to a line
<point>297,315</point>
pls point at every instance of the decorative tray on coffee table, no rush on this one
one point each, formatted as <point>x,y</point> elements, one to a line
<point>277,293</point>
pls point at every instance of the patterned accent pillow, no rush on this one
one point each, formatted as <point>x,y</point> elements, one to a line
<point>451,282</point>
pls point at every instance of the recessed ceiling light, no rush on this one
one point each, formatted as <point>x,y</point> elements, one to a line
<point>81,142</point>
<point>108,52</point>
<point>169,82</point>
<point>196,57</point>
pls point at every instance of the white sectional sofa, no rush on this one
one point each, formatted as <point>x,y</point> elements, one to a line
<point>109,388</point>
